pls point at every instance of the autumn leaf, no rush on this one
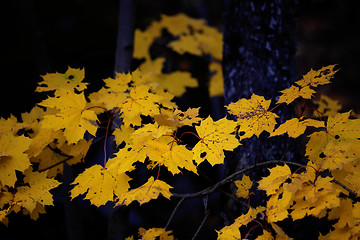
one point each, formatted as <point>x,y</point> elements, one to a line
<point>140,101</point>
<point>152,233</point>
<point>315,78</point>
<point>303,88</point>
<point>13,157</point>
<point>37,192</point>
<point>216,84</point>
<point>327,106</point>
<point>253,116</point>
<point>295,127</point>
<point>9,125</point>
<point>277,176</point>
<point>100,184</point>
<point>71,79</point>
<point>73,117</point>
<point>243,187</point>
<point>294,92</point>
<point>165,151</point>
<point>144,39</point>
<point>215,137</point>
<point>336,146</point>
<point>58,152</point>
<point>143,194</point>
<point>125,158</point>
<point>315,198</point>
<point>180,24</point>
<point>232,231</point>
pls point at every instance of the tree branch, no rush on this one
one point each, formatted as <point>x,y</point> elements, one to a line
<point>230,179</point>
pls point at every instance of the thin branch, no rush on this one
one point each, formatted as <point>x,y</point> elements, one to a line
<point>231,178</point>
<point>173,212</point>
<point>352,194</point>
<point>58,151</point>
<point>207,213</point>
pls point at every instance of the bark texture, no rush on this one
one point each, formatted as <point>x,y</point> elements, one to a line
<point>258,57</point>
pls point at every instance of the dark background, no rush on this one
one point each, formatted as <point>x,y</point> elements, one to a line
<point>82,33</point>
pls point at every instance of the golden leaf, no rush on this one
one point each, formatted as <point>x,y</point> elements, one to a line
<point>100,184</point>
<point>71,79</point>
<point>143,194</point>
<point>243,186</point>
<point>215,137</point>
<point>13,157</point>
<point>253,116</point>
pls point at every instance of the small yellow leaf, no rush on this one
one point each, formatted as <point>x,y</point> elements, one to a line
<point>216,85</point>
<point>243,186</point>
<point>292,93</point>
<point>71,79</point>
<point>277,176</point>
<point>318,77</point>
<point>143,194</point>
<point>295,127</point>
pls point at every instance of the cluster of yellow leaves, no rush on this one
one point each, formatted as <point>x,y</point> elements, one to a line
<point>194,36</point>
<point>303,87</point>
<point>53,133</point>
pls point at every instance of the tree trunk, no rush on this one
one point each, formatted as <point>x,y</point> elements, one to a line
<point>119,216</point>
<point>258,57</point>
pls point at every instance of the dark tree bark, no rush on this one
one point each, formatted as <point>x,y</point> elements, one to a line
<point>125,36</point>
<point>258,57</point>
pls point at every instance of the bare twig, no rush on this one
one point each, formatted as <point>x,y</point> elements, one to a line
<point>173,212</point>
<point>207,213</point>
<point>231,178</point>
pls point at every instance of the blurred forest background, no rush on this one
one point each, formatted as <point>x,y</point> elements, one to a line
<point>82,33</point>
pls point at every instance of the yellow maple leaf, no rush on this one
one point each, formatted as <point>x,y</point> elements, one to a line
<point>180,24</point>
<point>277,176</point>
<point>59,151</point>
<point>179,118</point>
<point>315,78</point>
<point>216,84</point>
<point>140,101</point>
<point>176,82</point>
<point>311,79</point>
<point>293,92</point>
<point>210,41</point>
<point>336,146</point>
<point>315,198</point>
<point>253,116</point>
<point>100,184</point>
<point>152,233</point>
<point>144,39</point>
<point>186,43</point>
<point>71,79</point>
<point>13,157</point>
<point>37,192</point>
<point>164,151</point>
<point>277,205</point>
<point>73,116</point>
<point>125,158</point>
<point>327,106</point>
<point>265,236</point>
<point>143,194</point>
<point>243,187</point>
<point>232,231</point>
<point>9,125</point>
<point>295,127</point>
<point>215,137</point>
